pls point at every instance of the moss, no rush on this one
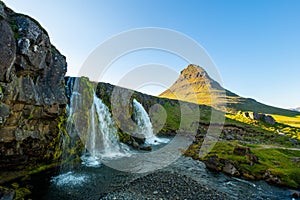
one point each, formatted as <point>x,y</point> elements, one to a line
<point>56,142</point>
<point>15,185</point>
<point>278,161</point>
<point>269,133</point>
<point>30,116</point>
<point>41,168</point>
<point>124,137</point>
<point>22,193</point>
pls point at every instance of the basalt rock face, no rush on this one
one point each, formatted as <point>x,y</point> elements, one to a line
<point>32,95</point>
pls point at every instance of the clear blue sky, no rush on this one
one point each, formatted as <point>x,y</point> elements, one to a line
<point>254,43</point>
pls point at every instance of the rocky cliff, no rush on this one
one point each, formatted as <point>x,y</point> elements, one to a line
<point>32,94</point>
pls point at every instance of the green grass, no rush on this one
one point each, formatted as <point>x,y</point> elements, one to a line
<point>288,120</point>
<point>279,127</point>
<point>278,161</point>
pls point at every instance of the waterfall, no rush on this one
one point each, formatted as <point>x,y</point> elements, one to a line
<point>144,124</point>
<point>90,119</point>
<point>103,142</point>
<point>102,138</point>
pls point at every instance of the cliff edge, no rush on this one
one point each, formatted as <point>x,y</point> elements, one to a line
<point>32,94</point>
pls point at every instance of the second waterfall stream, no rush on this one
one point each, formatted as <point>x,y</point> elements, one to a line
<point>145,126</point>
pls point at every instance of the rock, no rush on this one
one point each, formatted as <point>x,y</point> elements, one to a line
<point>135,145</point>
<point>270,178</point>
<point>166,185</point>
<point>145,148</point>
<point>253,159</point>
<point>259,116</point>
<point>4,112</point>
<point>23,46</point>
<point>255,116</point>
<point>230,169</point>
<point>246,114</point>
<point>7,51</point>
<point>269,119</point>
<point>32,93</point>
<point>241,151</point>
<point>213,163</point>
<point>139,138</point>
<point>296,195</point>
<point>7,194</point>
<point>2,12</point>
<point>7,135</point>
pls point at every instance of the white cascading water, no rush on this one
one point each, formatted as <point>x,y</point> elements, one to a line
<point>103,141</point>
<point>145,126</point>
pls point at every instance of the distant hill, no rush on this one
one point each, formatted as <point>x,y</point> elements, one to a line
<point>296,109</point>
<point>195,85</point>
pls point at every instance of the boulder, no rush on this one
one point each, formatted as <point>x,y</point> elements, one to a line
<point>253,159</point>
<point>256,116</point>
<point>296,195</point>
<point>269,119</point>
<point>241,151</point>
<point>270,178</point>
<point>213,163</point>
<point>139,138</point>
<point>7,194</point>
<point>246,114</point>
<point>230,169</point>
<point>260,116</point>
<point>145,148</point>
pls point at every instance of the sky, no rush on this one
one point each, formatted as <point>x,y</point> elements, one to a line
<point>254,44</point>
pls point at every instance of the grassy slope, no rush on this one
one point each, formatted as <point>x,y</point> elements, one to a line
<point>257,135</point>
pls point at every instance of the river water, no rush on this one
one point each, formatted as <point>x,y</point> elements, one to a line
<point>92,182</point>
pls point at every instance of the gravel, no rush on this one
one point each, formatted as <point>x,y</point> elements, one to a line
<point>165,185</point>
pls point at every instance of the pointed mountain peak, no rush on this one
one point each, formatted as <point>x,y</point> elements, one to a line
<point>195,85</point>
<point>193,71</point>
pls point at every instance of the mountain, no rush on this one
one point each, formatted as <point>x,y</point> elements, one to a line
<point>296,109</point>
<point>196,86</point>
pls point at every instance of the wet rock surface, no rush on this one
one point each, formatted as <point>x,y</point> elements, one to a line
<point>32,95</point>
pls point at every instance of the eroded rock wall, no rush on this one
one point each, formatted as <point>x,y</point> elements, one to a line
<point>32,94</point>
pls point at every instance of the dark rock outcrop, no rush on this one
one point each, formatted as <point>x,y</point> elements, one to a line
<point>230,169</point>
<point>241,151</point>
<point>7,194</point>
<point>260,116</point>
<point>213,163</point>
<point>32,95</point>
<point>270,178</point>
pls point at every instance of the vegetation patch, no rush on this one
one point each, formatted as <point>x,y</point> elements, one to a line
<point>283,129</point>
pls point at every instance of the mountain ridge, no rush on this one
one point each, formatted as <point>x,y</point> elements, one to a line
<point>196,86</point>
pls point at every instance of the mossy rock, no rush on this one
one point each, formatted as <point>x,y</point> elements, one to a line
<point>22,193</point>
